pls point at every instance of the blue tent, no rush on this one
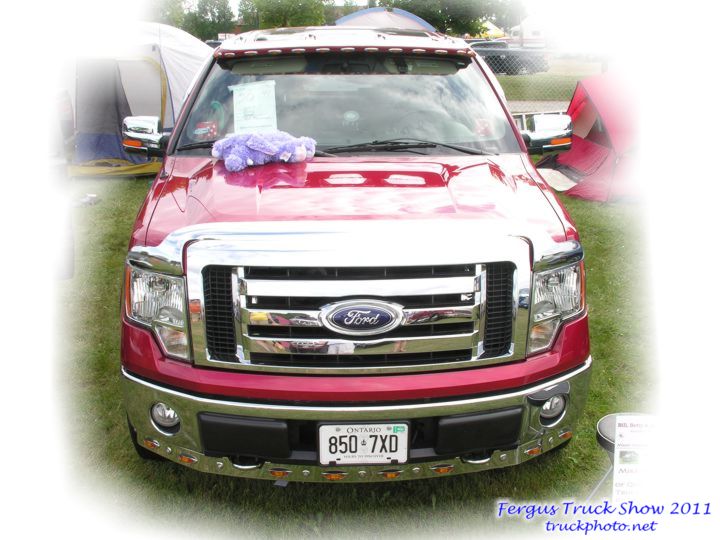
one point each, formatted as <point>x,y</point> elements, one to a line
<point>380,17</point>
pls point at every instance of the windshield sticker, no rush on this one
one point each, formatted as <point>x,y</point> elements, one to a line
<point>254,107</point>
<point>206,131</point>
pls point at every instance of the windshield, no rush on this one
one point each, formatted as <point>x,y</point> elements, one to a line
<point>351,99</point>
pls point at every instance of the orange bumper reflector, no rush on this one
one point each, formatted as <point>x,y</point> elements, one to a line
<point>279,473</point>
<point>334,475</point>
<point>390,474</point>
<point>187,458</point>
<point>442,469</point>
<point>130,142</point>
<point>564,140</point>
<point>151,443</point>
<point>566,435</point>
<point>534,451</point>
<point>195,306</point>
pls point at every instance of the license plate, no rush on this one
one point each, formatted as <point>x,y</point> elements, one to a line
<point>363,444</point>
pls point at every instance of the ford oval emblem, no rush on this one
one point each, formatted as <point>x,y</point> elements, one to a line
<point>361,317</point>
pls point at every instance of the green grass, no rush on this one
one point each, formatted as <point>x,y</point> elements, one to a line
<point>198,503</point>
<point>538,87</point>
<point>557,84</point>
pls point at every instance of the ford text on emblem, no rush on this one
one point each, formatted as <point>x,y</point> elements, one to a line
<point>361,317</point>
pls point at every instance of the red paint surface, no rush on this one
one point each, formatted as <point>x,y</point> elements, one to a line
<point>142,356</point>
<point>496,188</point>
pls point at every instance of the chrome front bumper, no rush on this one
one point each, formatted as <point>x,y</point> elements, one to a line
<point>185,446</point>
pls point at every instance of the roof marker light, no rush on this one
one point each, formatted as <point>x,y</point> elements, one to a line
<point>395,50</point>
<point>297,50</point>
<point>274,51</point>
<point>441,51</point>
<point>371,49</point>
<point>187,459</point>
<point>322,49</point>
<point>250,53</point>
<point>536,451</point>
<point>347,49</point>
<point>419,51</point>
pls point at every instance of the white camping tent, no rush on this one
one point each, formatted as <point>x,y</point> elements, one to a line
<point>146,72</point>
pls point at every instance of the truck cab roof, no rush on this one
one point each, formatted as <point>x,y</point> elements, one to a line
<point>341,39</point>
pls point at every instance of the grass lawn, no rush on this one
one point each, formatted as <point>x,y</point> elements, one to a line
<point>538,87</point>
<point>557,84</point>
<point>194,502</point>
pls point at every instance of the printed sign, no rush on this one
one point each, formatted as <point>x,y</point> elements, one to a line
<point>633,436</point>
<point>254,107</point>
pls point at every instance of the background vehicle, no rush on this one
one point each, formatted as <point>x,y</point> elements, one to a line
<point>502,59</point>
<point>407,304</point>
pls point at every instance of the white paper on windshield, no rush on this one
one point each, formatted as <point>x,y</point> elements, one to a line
<point>254,106</point>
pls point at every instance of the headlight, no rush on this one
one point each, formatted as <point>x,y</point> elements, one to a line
<point>158,301</point>
<point>557,296</point>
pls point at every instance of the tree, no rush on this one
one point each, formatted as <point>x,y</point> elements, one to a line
<point>170,12</point>
<point>333,11</point>
<point>249,16</point>
<point>507,13</point>
<point>449,16</point>
<point>283,13</point>
<point>210,18</point>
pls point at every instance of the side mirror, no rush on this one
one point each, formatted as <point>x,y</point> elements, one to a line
<point>143,134</point>
<point>548,133</point>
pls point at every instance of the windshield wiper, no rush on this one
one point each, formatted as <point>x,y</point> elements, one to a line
<point>195,145</point>
<point>209,144</point>
<point>403,144</point>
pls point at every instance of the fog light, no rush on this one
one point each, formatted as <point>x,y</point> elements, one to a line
<point>164,416</point>
<point>553,407</point>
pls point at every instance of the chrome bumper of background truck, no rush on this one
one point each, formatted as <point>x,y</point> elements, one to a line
<point>185,446</point>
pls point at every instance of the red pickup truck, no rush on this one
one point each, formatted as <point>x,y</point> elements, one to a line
<point>408,303</point>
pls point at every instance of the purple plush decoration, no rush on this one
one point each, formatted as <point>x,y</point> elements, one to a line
<point>251,149</point>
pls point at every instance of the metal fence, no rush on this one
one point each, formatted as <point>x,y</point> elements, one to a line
<point>537,80</point>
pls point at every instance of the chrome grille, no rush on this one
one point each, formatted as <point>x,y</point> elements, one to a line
<point>448,316</point>
<point>219,318</point>
<point>499,308</point>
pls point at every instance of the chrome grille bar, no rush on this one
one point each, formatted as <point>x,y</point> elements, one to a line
<point>350,347</point>
<point>311,318</point>
<point>374,287</point>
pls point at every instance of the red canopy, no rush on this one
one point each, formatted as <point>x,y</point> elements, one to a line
<point>609,97</point>
<point>603,138</point>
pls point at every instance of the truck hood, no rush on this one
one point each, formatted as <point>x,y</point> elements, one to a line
<point>495,190</point>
